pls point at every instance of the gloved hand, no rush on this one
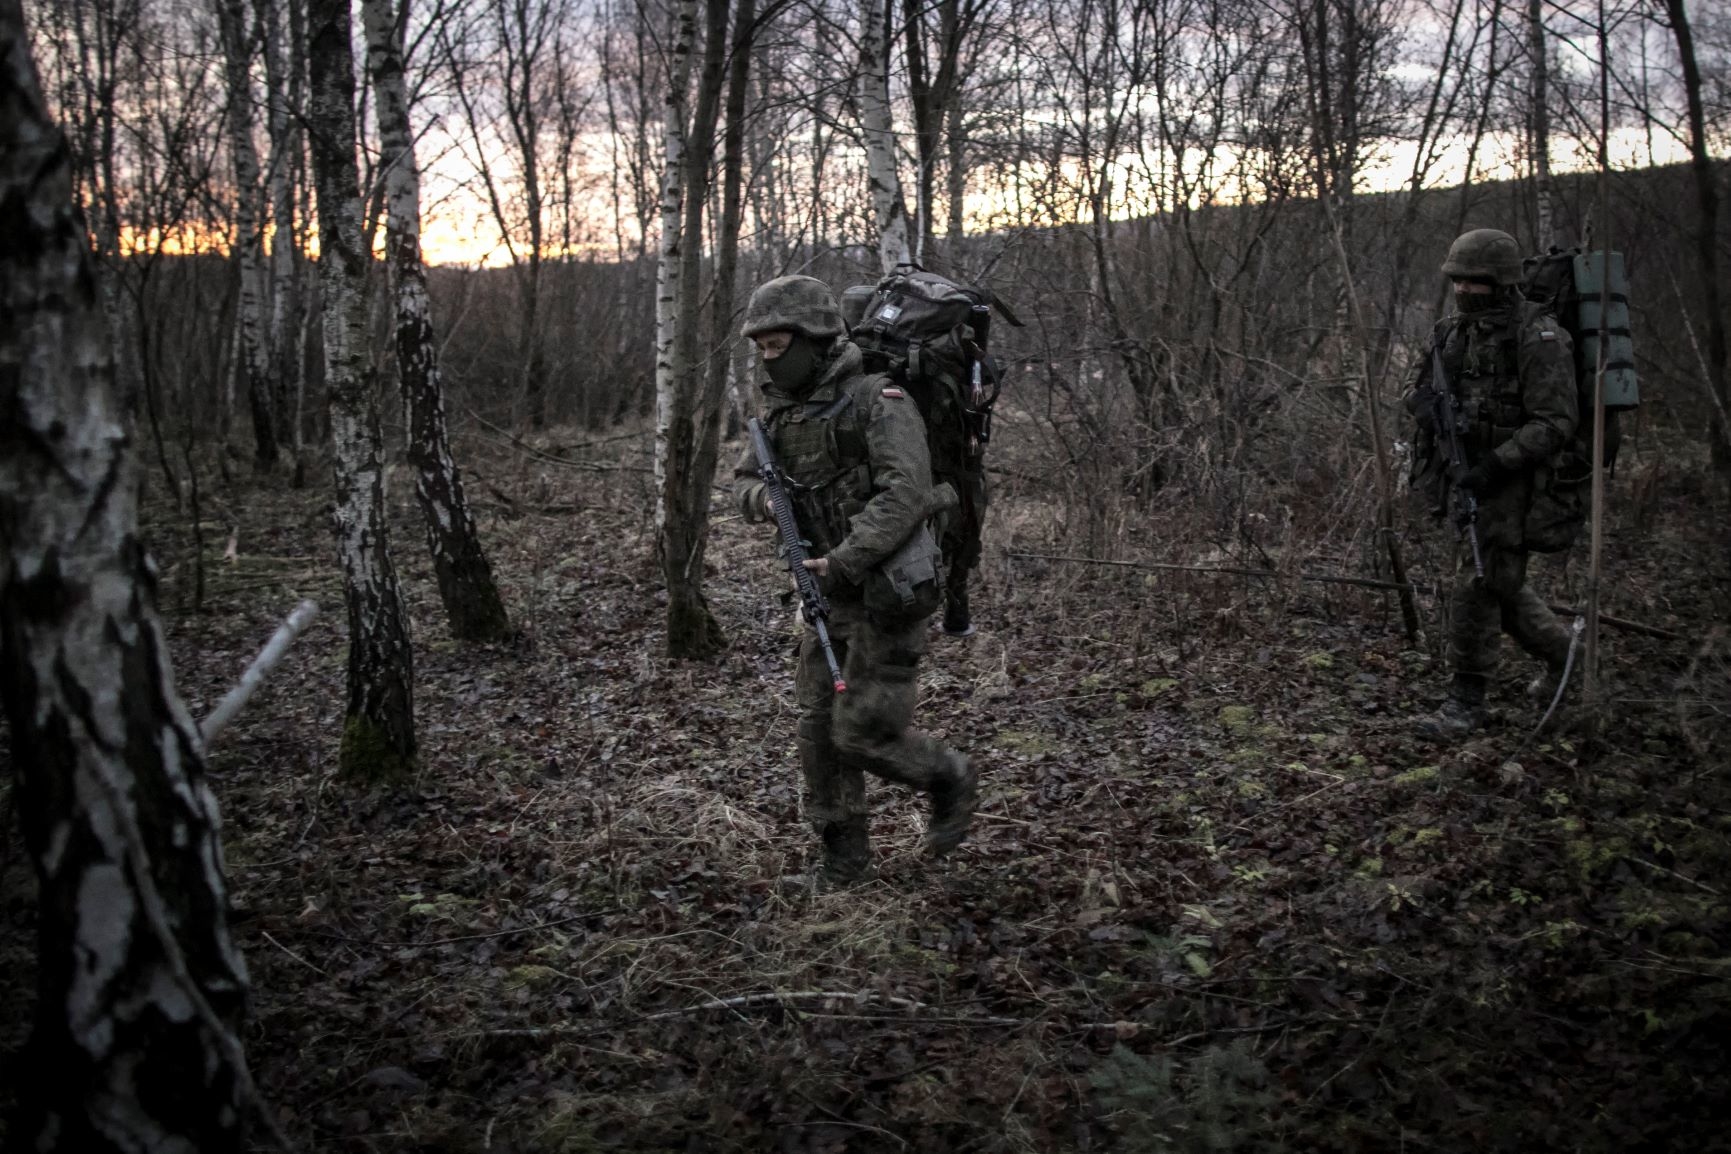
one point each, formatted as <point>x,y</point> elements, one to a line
<point>1485,477</point>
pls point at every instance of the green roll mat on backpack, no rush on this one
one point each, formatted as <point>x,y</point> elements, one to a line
<point>1569,283</point>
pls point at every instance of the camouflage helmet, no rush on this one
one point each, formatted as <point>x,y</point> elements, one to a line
<point>1484,254</point>
<point>796,304</point>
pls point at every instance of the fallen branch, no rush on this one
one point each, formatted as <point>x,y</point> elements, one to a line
<point>259,669</point>
<point>1331,579</point>
<point>781,997</point>
<point>543,455</point>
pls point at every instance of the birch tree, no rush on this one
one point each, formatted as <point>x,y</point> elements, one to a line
<point>695,402</point>
<point>249,229</point>
<point>1539,124</point>
<point>459,563</point>
<point>140,988</point>
<point>876,125</point>
<point>669,305</point>
<point>285,82</point>
<point>378,732</point>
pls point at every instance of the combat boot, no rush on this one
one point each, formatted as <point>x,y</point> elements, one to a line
<point>844,861</point>
<point>953,802</point>
<point>1462,714</point>
<point>847,853</point>
<point>957,622</point>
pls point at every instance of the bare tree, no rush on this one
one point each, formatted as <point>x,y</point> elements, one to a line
<point>499,68</point>
<point>379,729</point>
<point>876,125</point>
<point>1539,124</point>
<point>285,82</point>
<point>935,63</point>
<point>694,411</point>
<point>1706,230</point>
<point>669,302</point>
<point>459,563</point>
<point>237,47</point>
<point>138,971</point>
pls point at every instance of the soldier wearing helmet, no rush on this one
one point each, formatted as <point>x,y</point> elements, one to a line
<point>1511,372</point>
<point>854,448</point>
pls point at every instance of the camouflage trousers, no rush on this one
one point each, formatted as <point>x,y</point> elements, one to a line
<point>867,729</point>
<point>1501,602</point>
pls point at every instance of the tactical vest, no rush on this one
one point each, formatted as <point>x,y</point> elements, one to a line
<point>822,446</point>
<point>1482,361</point>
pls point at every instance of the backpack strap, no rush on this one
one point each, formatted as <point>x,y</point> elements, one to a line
<point>830,411</point>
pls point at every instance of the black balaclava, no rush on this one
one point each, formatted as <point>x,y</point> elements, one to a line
<point>1474,303</point>
<point>796,370</point>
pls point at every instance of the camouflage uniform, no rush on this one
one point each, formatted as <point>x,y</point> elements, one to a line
<point>1513,377</point>
<point>855,449</point>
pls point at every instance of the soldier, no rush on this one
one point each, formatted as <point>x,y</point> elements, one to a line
<point>1512,375</point>
<point>854,447</point>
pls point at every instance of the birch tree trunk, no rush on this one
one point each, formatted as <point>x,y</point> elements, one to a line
<point>1541,125</point>
<point>873,96</point>
<point>668,302</point>
<point>140,987</point>
<point>692,631</point>
<point>379,732</point>
<point>283,120</point>
<point>459,563</point>
<point>524,29</point>
<point>249,231</point>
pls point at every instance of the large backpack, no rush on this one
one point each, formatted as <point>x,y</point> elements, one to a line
<point>1568,283</point>
<point>930,333</point>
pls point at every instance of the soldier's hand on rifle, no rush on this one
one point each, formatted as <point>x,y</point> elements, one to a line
<point>1484,477</point>
<point>818,565</point>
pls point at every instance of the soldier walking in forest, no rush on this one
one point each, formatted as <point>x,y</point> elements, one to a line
<point>854,449</point>
<point>1495,398</point>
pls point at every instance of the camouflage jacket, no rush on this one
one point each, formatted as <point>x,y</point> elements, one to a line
<point>1512,373</point>
<point>855,449</point>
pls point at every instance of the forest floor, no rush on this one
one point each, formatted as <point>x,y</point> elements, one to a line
<point>1218,895</point>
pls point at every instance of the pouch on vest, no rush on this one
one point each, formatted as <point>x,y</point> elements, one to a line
<point>905,584</point>
<point>1562,493</point>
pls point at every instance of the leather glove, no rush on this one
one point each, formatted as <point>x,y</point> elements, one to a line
<point>1485,477</point>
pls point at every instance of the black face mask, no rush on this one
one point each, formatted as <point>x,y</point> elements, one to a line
<point>795,370</point>
<point>1479,302</point>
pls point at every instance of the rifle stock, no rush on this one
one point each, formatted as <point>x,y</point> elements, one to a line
<point>812,602</point>
<point>1446,416</point>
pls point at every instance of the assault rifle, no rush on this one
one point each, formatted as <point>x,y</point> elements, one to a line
<point>1451,425</point>
<point>811,599</point>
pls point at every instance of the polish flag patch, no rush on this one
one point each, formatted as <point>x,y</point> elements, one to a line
<point>894,392</point>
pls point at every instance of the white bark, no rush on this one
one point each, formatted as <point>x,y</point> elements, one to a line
<point>249,233</point>
<point>235,699</point>
<point>879,132</point>
<point>1541,125</point>
<point>668,303</point>
<point>465,579</point>
<point>285,149</point>
<point>378,737</point>
<point>137,965</point>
